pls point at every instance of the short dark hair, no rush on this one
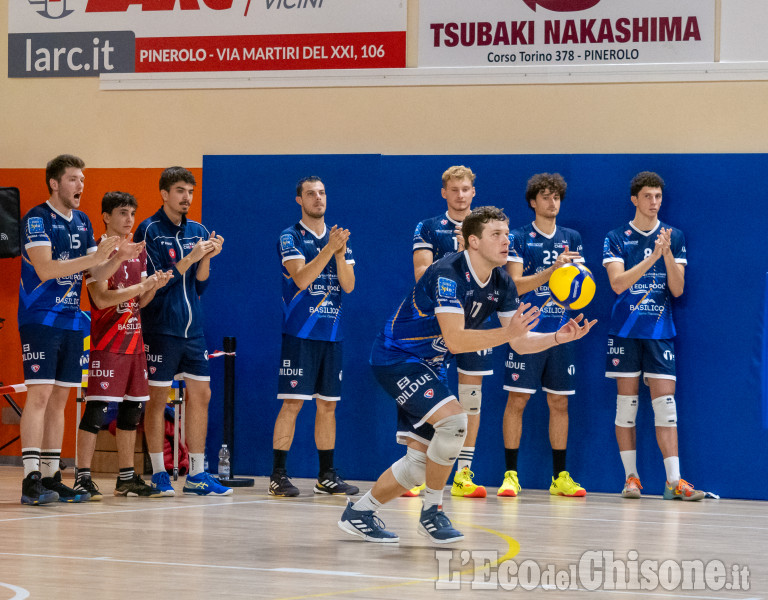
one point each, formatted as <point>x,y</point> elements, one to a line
<point>645,179</point>
<point>553,182</point>
<point>300,183</point>
<point>174,174</point>
<point>478,218</point>
<point>57,167</point>
<point>113,200</point>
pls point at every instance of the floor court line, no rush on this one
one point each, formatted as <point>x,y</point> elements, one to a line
<point>20,593</point>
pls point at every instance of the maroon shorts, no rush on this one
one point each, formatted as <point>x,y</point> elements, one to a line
<point>113,377</point>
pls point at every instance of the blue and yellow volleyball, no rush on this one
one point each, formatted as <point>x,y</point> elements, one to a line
<point>572,286</point>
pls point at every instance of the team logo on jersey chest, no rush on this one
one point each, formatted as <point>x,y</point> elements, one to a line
<point>532,234</point>
<point>628,232</point>
<point>172,253</point>
<point>444,222</point>
<point>467,276</point>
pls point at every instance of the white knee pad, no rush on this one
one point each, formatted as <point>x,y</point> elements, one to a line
<point>626,411</point>
<point>665,410</point>
<point>411,470</point>
<point>470,397</point>
<point>448,439</point>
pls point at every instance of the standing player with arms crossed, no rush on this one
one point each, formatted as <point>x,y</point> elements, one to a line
<point>535,251</point>
<point>173,328</point>
<point>118,366</point>
<point>444,312</point>
<point>435,238</point>
<point>317,266</point>
<point>641,330</point>
<point>58,245</point>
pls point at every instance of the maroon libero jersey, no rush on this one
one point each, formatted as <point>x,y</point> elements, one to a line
<point>118,328</point>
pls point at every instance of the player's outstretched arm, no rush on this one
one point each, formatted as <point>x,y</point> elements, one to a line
<point>459,340</point>
<point>159,278</point>
<point>125,250</point>
<point>46,268</point>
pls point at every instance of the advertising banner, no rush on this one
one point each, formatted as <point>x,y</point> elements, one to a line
<point>78,38</point>
<point>508,33</point>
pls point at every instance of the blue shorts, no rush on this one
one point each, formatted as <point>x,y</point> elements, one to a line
<point>309,369</point>
<point>629,357</point>
<point>52,355</point>
<point>169,355</point>
<point>419,391</point>
<point>475,363</point>
<point>554,369</point>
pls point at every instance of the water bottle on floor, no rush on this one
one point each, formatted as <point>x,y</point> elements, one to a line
<point>224,466</point>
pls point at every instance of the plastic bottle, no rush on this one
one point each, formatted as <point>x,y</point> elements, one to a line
<point>224,465</point>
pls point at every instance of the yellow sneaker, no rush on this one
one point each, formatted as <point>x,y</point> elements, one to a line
<point>511,486</point>
<point>564,485</point>
<point>463,486</point>
<point>413,492</point>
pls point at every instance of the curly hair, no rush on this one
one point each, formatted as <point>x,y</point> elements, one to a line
<point>553,182</point>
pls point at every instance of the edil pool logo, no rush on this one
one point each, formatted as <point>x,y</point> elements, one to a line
<point>562,5</point>
<point>52,9</point>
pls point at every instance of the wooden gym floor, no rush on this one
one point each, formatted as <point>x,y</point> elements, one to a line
<point>251,545</point>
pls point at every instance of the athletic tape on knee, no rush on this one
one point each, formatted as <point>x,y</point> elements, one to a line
<point>626,411</point>
<point>411,470</point>
<point>665,410</point>
<point>470,397</point>
<point>128,415</point>
<point>93,416</point>
<point>448,439</point>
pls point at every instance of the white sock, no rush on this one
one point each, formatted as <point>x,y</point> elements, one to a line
<point>367,502</point>
<point>196,463</point>
<point>432,497</point>
<point>49,461</point>
<point>465,458</point>
<point>672,467</point>
<point>30,458</point>
<point>158,462</point>
<point>629,459</point>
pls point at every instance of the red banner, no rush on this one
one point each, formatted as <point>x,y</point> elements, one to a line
<point>271,52</point>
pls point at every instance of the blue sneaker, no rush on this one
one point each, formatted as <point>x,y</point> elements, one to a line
<point>33,492</point>
<point>203,484</point>
<point>162,483</point>
<point>435,525</point>
<point>365,524</point>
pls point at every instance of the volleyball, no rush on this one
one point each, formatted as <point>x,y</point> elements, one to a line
<point>572,286</point>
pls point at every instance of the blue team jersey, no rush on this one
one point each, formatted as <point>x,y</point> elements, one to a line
<point>437,234</point>
<point>55,302</point>
<point>537,251</point>
<point>313,313</point>
<point>449,285</point>
<point>644,310</point>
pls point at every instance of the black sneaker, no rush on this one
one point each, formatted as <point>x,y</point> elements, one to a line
<point>33,492</point>
<point>86,485</point>
<point>280,485</point>
<point>331,483</point>
<point>66,494</point>
<point>136,488</point>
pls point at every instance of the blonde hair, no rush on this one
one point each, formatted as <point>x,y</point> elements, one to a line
<point>458,172</point>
